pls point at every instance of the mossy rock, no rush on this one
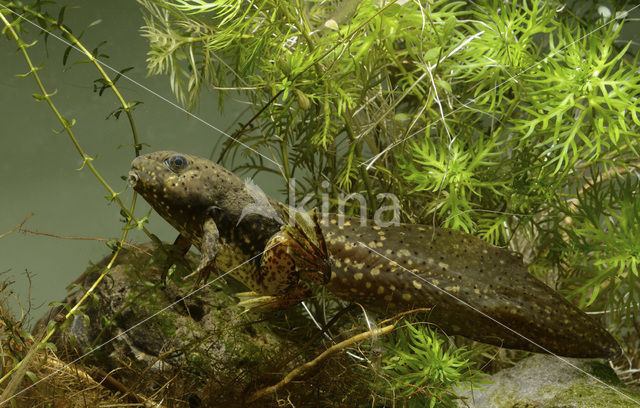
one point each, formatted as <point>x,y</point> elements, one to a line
<point>552,382</point>
<point>199,350</point>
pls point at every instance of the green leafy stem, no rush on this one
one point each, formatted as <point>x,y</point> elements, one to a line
<point>131,221</point>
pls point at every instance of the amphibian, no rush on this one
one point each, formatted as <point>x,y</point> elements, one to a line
<point>390,269</point>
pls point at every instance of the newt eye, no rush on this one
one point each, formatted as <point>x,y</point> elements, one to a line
<point>177,163</point>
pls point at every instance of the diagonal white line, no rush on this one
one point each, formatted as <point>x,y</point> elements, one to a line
<point>500,323</point>
<point>154,93</point>
<point>146,319</point>
<point>369,163</point>
<point>326,334</point>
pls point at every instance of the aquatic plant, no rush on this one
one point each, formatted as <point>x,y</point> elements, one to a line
<point>514,121</point>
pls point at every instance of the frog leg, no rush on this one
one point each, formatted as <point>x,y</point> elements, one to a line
<point>293,296</point>
<point>278,283</point>
<point>208,250</point>
<point>295,257</point>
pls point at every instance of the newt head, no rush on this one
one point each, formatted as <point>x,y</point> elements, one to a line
<point>185,189</point>
<point>163,178</point>
<point>180,187</point>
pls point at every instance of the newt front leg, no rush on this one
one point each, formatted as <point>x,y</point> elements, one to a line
<point>209,249</point>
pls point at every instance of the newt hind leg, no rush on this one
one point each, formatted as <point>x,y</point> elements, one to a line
<point>292,297</point>
<point>295,257</point>
<point>280,286</point>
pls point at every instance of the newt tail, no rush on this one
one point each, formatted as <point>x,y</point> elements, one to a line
<point>474,289</point>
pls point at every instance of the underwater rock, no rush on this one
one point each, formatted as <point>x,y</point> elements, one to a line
<point>549,381</point>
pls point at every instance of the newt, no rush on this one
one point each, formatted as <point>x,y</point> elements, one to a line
<point>462,278</point>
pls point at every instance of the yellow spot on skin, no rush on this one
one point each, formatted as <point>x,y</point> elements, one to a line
<point>443,265</point>
<point>417,284</point>
<point>372,244</point>
<point>406,297</point>
<point>354,290</point>
<point>404,252</point>
<point>454,289</point>
<point>376,228</point>
<point>333,221</point>
<point>375,271</point>
<point>389,251</point>
<point>337,263</point>
<point>382,237</point>
<point>347,223</point>
<point>392,288</point>
<point>409,262</point>
<point>333,275</point>
<point>357,276</point>
<point>388,298</point>
<point>476,291</point>
<point>502,262</point>
<point>359,265</point>
<point>379,245</point>
<point>340,239</point>
<point>380,290</point>
<point>368,285</point>
<point>435,282</point>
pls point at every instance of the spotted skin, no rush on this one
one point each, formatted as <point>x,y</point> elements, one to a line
<point>210,247</point>
<point>275,260</point>
<point>390,269</point>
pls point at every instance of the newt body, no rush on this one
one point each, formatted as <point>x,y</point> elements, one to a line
<point>390,269</point>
